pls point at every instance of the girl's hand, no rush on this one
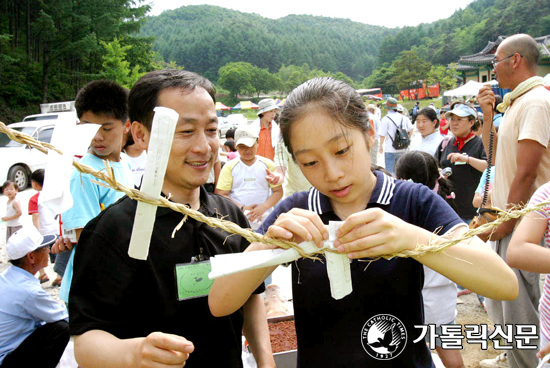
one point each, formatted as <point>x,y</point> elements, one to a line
<point>374,232</point>
<point>299,225</point>
<point>457,157</point>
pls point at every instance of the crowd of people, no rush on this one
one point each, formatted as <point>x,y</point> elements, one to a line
<point>325,156</point>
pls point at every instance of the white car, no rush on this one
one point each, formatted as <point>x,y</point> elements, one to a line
<point>229,122</point>
<point>18,161</point>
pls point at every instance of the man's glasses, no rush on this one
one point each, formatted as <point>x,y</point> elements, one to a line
<point>495,62</point>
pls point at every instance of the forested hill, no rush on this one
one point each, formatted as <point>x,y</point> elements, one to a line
<point>468,30</point>
<point>204,38</point>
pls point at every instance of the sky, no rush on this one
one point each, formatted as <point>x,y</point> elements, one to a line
<point>391,14</point>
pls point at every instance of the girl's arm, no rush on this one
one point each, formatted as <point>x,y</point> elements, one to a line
<point>256,331</point>
<point>229,293</point>
<point>471,263</point>
<point>524,251</point>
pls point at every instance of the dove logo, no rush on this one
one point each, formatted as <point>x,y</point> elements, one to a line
<point>384,337</point>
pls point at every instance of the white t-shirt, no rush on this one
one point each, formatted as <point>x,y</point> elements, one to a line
<point>428,144</point>
<point>388,129</point>
<point>246,184</point>
<point>137,164</point>
<point>295,181</point>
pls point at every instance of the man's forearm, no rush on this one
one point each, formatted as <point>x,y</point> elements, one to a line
<point>98,348</point>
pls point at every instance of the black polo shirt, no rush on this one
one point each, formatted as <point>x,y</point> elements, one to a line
<point>132,298</point>
<point>329,331</point>
<point>465,178</point>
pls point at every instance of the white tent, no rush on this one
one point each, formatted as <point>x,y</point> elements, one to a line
<point>469,89</point>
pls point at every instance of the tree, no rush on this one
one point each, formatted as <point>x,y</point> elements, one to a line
<point>116,67</point>
<point>409,69</point>
<point>263,81</point>
<point>236,77</point>
<point>445,76</point>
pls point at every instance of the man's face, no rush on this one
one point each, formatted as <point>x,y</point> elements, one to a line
<point>502,67</point>
<point>41,257</point>
<point>195,146</point>
<point>107,142</point>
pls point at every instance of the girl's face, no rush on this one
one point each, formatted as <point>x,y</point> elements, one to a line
<point>336,159</point>
<point>10,191</point>
<point>425,125</point>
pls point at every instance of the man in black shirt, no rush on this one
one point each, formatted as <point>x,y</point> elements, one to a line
<point>130,313</point>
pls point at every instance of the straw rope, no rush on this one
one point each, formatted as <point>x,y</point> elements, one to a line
<point>108,177</point>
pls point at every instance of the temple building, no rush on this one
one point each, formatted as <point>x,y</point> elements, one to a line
<point>477,67</point>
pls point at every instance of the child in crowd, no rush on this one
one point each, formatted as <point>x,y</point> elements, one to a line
<point>526,253</point>
<point>43,219</point>
<point>13,209</point>
<point>380,216</point>
<point>443,124</point>
<point>439,293</point>
<point>229,150</point>
<point>244,180</point>
<point>230,134</point>
<point>103,103</point>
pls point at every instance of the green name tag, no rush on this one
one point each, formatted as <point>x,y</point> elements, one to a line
<point>192,280</point>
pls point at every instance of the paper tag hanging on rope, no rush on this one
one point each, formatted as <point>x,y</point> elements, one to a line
<point>158,153</point>
<point>73,140</point>
<point>338,268</point>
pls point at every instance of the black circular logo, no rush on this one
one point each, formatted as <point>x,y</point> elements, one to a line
<point>384,337</point>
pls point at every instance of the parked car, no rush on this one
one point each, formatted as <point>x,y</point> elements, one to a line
<point>230,121</point>
<point>19,160</point>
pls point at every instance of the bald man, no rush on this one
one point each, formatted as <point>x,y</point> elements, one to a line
<point>522,161</point>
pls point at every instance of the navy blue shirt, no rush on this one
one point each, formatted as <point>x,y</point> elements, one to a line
<point>330,331</point>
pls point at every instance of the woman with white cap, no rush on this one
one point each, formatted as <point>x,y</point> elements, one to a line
<point>267,128</point>
<point>464,153</point>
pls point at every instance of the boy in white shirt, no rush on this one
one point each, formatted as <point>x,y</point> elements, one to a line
<point>243,180</point>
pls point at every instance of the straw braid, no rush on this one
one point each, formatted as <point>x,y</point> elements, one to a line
<point>108,176</point>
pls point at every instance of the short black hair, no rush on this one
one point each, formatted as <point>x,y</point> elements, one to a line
<point>38,176</point>
<point>230,145</point>
<point>19,261</point>
<point>7,183</point>
<point>103,97</point>
<point>230,133</point>
<point>143,97</point>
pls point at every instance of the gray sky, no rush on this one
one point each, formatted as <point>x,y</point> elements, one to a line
<point>394,13</point>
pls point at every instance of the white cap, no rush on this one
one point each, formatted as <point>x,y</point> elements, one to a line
<point>246,135</point>
<point>25,241</point>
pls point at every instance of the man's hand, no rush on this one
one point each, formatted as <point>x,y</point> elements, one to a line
<point>381,149</point>
<point>272,177</point>
<point>486,99</point>
<point>163,350</point>
<point>501,231</point>
<point>61,245</point>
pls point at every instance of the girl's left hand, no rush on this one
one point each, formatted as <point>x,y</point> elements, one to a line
<point>374,232</point>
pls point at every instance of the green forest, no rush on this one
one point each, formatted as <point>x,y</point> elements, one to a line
<point>49,49</point>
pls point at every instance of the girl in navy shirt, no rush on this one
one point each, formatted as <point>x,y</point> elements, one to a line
<point>326,128</point>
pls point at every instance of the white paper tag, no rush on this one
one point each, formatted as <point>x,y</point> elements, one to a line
<point>158,153</point>
<point>338,267</point>
<point>72,140</point>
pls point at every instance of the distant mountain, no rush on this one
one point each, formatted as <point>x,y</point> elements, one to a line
<point>204,38</point>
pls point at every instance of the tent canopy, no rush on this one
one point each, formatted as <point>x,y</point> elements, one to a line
<point>469,89</point>
<point>221,106</point>
<point>245,105</point>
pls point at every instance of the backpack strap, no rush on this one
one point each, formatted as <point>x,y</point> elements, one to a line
<point>397,127</point>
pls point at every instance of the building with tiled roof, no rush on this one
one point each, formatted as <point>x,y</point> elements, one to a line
<point>477,67</point>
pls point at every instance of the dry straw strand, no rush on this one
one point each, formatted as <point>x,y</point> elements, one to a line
<point>108,178</point>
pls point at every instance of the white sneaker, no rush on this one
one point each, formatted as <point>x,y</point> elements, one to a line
<point>500,361</point>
